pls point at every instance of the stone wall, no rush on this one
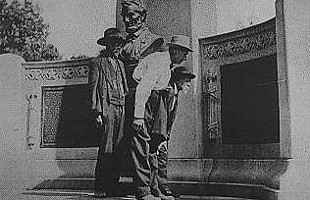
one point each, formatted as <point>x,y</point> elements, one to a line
<point>64,142</point>
<point>12,127</point>
<point>46,133</point>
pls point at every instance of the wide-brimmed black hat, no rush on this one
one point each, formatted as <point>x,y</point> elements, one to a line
<point>111,35</point>
<point>181,72</point>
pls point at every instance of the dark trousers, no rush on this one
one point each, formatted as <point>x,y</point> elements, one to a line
<point>143,152</point>
<point>162,158</point>
<point>171,101</point>
<point>111,151</point>
<point>144,147</point>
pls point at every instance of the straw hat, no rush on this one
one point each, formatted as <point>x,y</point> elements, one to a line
<point>180,41</point>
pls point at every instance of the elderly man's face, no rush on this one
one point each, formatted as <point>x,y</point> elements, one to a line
<point>114,47</point>
<point>132,18</point>
<point>184,84</point>
<point>178,55</point>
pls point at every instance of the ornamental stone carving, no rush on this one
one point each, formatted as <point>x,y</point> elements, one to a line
<point>240,45</point>
<point>213,101</point>
<point>57,73</point>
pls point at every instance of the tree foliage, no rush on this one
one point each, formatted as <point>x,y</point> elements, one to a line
<point>23,31</point>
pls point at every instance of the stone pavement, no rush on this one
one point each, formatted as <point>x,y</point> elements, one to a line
<point>7,194</point>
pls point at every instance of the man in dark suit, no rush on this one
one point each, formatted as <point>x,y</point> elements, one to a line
<point>108,86</point>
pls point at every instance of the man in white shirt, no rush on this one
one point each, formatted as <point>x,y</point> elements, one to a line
<point>153,75</point>
<point>140,42</point>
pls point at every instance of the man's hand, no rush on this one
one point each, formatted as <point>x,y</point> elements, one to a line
<point>138,124</point>
<point>98,121</point>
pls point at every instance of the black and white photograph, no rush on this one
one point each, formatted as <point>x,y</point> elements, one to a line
<point>155,99</point>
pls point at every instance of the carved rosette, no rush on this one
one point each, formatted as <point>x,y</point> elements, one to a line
<point>239,46</point>
<point>57,73</point>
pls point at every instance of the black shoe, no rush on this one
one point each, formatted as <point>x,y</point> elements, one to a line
<point>168,192</point>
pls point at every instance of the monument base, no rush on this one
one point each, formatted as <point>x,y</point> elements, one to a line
<point>201,177</point>
<point>182,187</point>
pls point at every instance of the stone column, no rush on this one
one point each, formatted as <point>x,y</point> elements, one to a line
<point>12,128</point>
<point>295,59</point>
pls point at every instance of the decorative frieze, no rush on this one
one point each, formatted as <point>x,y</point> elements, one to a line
<point>239,45</point>
<point>57,73</point>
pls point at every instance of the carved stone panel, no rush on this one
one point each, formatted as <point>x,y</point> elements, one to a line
<point>213,103</point>
<point>66,117</point>
<point>240,93</point>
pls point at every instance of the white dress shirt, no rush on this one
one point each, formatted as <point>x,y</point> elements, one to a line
<point>152,73</point>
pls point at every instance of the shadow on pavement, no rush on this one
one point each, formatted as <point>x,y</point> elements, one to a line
<point>86,197</point>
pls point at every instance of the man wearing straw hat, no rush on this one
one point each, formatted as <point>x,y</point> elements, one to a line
<point>150,114</point>
<point>108,87</point>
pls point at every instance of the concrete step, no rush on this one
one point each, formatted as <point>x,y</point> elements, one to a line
<point>202,190</point>
<point>87,194</point>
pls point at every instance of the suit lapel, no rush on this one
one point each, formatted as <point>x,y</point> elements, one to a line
<point>105,64</point>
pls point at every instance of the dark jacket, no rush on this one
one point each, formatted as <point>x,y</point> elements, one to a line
<point>171,108</point>
<point>160,114</point>
<point>101,85</point>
